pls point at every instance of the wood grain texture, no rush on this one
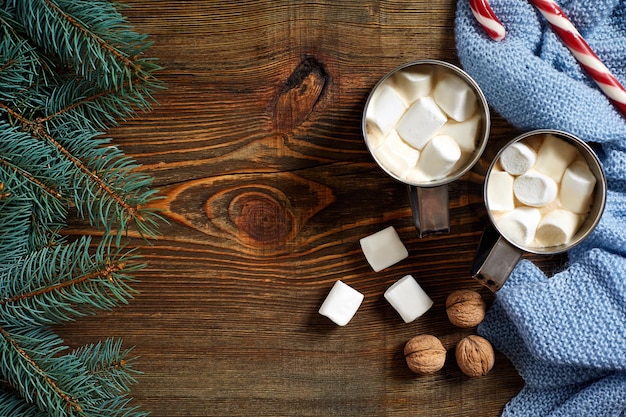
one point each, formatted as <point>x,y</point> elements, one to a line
<point>268,186</point>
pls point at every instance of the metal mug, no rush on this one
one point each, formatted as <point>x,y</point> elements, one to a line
<point>429,199</point>
<point>497,255</point>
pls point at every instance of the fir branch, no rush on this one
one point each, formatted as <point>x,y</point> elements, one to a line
<point>12,405</point>
<point>104,182</point>
<point>90,36</point>
<point>18,63</point>
<point>109,365</point>
<point>61,385</point>
<point>30,172</point>
<point>15,233</point>
<point>55,285</point>
<point>84,104</point>
<point>26,354</point>
<point>69,69</point>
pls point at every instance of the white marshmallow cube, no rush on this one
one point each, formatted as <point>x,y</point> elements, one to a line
<point>500,191</point>
<point>408,298</point>
<point>413,84</point>
<point>385,109</point>
<point>557,228</point>
<point>420,122</point>
<point>518,158</point>
<point>465,133</point>
<point>520,225</point>
<point>416,176</point>
<point>341,303</point>
<point>383,249</point>
<point>554,156</point>
<point>455,97</point>
<point>535,189</point>
<point>439,156</point>
<point>577,187</point>
<point>396,155</point>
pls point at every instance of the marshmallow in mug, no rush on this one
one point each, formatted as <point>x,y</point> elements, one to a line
<point>423,123</point>
<point>540,192</point>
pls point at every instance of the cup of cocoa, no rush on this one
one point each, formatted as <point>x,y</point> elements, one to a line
<point>426,123</point>
<point>545,192</point>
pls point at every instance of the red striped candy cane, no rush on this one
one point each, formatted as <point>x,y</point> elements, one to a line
<point>583,53</point>
<point>487,18</point>
<point>570,36</point>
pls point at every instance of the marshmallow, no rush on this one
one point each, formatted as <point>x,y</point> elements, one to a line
<point>420,122</point>
<point>439,156</point>
<point>408,298</point>
<point>373,136</point>
<point>554,156</point>
<point>383,249</point>
<point>535,189</point>
<point>500,191</point>
<point>455,97</point>
<point>465,133</point>
<point>385,109</point>
<point>413,84</point>
<point>396,155</point>
<point>341,303</point>
<point>577,187</point>
<point>518,158</point>
<point>416,176</point>
<point>557,228</point>
<point>520,225</point>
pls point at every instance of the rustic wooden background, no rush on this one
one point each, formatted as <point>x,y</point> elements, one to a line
<point>268,187</point>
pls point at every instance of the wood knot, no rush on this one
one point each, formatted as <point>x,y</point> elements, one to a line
<point>299,95</point>
<point>254,212</point>
<point>261,217</point>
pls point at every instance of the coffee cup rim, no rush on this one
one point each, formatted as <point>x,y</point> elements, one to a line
<point>597,207</point>
<point>486,123</point>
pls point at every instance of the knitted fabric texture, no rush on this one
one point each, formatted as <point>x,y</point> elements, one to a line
<point>565,334</point>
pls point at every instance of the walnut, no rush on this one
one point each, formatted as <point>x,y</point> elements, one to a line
<point>475,356</point>
<point>425,354</point>
<point>465,308</point>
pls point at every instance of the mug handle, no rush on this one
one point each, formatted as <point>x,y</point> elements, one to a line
<point>430,209</point>
<point>495,259</point>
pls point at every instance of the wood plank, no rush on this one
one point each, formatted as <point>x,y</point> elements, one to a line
<point>268,186</point>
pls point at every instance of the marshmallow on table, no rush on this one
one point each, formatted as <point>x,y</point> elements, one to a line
<point>557,228</point>
<point>535,189</point>
<point>465,133</point>
<point>455,97</point>
<point>554,156</point>
<point>500,191</point>
<point>396,155</point>
<point>385,109</point>
<point>413,84</point>
<point>341,303</point>
<point>383,249</point>
<point>577,187</point>
<point>518,158</point>
<point>420,122</point>
<point>519,225</point>
<point>439,156</point>
<point>408,298</point>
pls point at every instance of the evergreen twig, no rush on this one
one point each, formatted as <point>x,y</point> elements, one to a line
<point>69,69</point>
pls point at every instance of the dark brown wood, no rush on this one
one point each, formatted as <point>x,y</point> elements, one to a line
<point>267,187</point>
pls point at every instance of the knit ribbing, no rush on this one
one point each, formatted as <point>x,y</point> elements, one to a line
<point>566,334</point>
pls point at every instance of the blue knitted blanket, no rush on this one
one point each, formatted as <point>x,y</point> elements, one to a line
<point>565,334</point>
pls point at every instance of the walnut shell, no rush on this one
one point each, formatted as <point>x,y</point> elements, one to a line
<point>425,354</point>
<point>475,356</point>
<point>465,308</point>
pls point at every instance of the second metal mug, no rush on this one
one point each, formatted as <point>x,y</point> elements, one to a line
<point>497,254</point>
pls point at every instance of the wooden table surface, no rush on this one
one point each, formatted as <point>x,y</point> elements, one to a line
<point>268,186</point>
